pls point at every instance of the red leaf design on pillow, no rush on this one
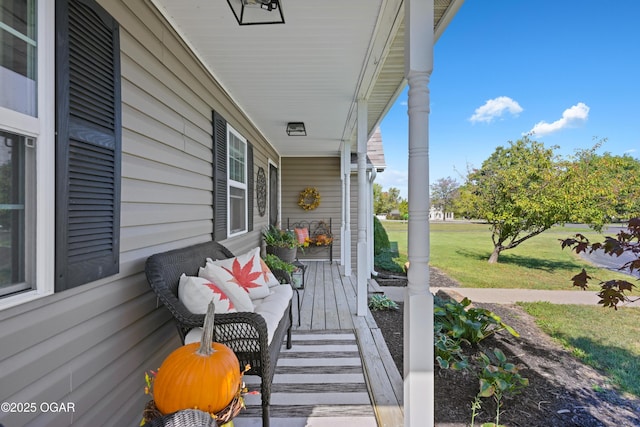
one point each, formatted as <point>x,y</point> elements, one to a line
<point>223,296</point>
<point>243,276</point>
<point>265,270</point>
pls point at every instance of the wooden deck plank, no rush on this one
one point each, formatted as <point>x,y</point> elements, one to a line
<point>344,311</point>
<point>385,404</point>
<point>318,313</point>
<point>397,384</point>
<point>332,320</point>
<point>329,302</point>
<point>306,303</point>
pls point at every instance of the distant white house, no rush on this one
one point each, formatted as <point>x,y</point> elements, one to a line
<point>436,214</point>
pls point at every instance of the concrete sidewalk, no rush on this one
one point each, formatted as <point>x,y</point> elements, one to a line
<point>510,296</point>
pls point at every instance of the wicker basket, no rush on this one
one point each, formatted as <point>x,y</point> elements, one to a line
<point>191,417</point>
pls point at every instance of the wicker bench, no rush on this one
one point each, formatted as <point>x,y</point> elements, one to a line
<point>244,332</point>
<point>319,232</point>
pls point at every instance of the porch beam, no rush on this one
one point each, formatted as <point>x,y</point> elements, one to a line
<point>362,256</point>
<point>418,315</point>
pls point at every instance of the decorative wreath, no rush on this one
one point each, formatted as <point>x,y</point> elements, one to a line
<point>309,199</point>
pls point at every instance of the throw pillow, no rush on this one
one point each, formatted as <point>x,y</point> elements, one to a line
<point>245,271</point>
<point>302,234</point>
<point>267,275</point>
<point>196,292</point>
<point>223,279</point>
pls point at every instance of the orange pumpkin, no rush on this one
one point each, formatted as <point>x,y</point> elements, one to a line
<point>204,376</point>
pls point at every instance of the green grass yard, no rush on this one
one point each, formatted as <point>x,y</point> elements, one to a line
<point>461,250</point>
<point>603,338</point>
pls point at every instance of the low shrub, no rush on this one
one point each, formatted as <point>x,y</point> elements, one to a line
<point>384,260</point>
<point>380,237</point>
<point>381,302</point>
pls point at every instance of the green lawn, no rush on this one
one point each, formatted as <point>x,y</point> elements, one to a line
<point>603,338</point>
<point>461,250</point>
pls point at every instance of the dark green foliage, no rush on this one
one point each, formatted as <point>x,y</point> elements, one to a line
<point>380,237</point>
<point>385,261</point>
<point>470,324</point>
<point>275,263</point>
<point>457,323</point>
<point>612,292</point>
<point>498,379</point>
<point>381,302</point>
<point>448,350</point>
<point>273,236</point>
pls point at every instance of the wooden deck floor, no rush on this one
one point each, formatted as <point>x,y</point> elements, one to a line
<point>328,302</point>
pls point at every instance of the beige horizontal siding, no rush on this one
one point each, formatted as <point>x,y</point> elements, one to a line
<point>323,173</point>
<point>91,345</point>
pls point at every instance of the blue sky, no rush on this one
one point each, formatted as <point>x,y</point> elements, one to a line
<point>568,70</point>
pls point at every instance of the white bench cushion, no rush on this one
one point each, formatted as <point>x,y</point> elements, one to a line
<point>271,308</point>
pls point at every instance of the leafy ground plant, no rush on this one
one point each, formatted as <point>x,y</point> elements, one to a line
<point>467,323</point>
<point>448,350</point>
<point>381,302</point>
<point>498,379</point>
<point>456,323</point>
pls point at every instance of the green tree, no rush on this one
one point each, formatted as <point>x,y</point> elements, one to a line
<point>444,193</point>
<point>403,207</point>
<point>385,201</point>
<point>377,199</point>
<point>524,189</point>
<point>616,194</point>
<point>612,292</point>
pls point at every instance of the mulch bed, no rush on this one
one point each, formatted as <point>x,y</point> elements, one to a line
<point>562,391</point>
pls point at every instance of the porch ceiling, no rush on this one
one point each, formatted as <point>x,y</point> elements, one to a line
<point>311,69</point>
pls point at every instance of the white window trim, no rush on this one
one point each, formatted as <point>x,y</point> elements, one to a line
<point>232,183</point>
<point>43,129</point>
<point>279,204</point>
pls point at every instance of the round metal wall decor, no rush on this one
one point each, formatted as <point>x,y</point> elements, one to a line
<point>261,191</point>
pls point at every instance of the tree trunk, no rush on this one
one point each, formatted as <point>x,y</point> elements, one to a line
<point>493,259</point>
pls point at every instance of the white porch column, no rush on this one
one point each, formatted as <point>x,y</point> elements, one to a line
<point>346,208</point>
<point>362,257</point>
<point>418,309</point>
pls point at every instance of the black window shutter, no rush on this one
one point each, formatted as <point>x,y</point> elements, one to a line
<point>219,177</point>
<point>88,144</point>
<point>250,196</point>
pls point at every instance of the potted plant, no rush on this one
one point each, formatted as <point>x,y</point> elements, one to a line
<point>282,243</point>
<point>281,269</point>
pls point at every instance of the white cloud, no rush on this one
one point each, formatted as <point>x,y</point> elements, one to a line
<point>393,178</point>
<point>495,108</point>
<point>571,117</point>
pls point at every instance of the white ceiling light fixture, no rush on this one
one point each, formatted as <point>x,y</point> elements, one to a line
<point>257,12</point>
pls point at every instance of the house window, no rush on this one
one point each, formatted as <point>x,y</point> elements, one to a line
<point>237,182</point>
<point>18,54</point>
<point>26,150</point>
<point>32,243</point>
<point>17,213</point>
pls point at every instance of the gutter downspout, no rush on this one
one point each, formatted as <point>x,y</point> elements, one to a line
<point>372,178</point>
